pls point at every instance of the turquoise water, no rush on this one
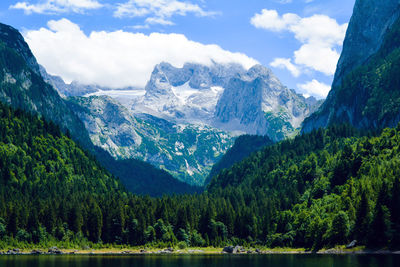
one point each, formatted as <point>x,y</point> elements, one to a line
<point>203,261</point>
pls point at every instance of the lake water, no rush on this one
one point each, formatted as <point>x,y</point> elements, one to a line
<point>203,261</point>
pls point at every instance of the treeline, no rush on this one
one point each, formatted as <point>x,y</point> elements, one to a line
<point>320,189</point>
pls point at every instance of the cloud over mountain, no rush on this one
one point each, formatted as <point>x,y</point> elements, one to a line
<point>118,59</point>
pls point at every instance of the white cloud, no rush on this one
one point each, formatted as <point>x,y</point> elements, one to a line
<point>270,20</point>
<point>286,63</point>
<point>321,38</point>
<point>317,57</point>
<point>158,11</point>
<point>57,6</point>
<point>314,88</point>
<point>118,59</point>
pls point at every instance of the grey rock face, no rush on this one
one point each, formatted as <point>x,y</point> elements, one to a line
<point>225,97</point>
<point>370,22</point>
<point>185,95</point>
<point>73,89</point>
<point>368,25</point>
<point>257,103</point>
<point>183,120</point>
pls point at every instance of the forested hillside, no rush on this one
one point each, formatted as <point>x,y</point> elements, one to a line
<point>244,145</point>
<point>22,86</point>
<point>319,189</point>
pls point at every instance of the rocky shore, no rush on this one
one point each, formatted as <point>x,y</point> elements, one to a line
<point>236,250</point>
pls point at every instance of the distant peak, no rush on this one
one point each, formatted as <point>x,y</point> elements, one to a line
<point>259,70</point>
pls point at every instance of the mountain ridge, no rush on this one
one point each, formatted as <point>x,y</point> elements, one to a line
<point>365,91</point>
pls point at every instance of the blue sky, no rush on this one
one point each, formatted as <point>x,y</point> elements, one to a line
<point>93,40</point>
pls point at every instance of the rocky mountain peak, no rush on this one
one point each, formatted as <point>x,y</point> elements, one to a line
<point>159,84</point>
<point>257,103</point>
<point>259,71</point>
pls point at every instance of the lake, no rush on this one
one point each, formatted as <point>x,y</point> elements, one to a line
<point>202,261</point>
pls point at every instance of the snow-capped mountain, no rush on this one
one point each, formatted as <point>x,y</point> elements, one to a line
<point>186,118</point>
<point>185,95</point>
<point>226,97</point>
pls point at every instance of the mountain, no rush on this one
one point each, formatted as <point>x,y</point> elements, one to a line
<point>186,118</point>
<point>366,88</point>
<point>185,150</point>
<point>257,103</point>
<point>216,95</point>
<point>23,87</point>
<point>185,95</point>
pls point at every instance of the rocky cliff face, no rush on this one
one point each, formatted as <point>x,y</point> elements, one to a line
<point>257,103</point>
<point>365,71</point>
<point>187,151</point>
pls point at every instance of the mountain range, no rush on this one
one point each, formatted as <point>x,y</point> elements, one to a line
<point>186,118</point>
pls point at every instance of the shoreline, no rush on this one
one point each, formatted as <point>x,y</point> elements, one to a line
<point>194,251</point>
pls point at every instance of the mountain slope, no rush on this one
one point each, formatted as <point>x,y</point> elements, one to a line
<point>320,189</point>
<point>257,103</point>
<point>22,86</point>
<point>366,88</point>
<point>187,151</point>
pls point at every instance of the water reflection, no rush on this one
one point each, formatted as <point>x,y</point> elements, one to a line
<point>203,261</point>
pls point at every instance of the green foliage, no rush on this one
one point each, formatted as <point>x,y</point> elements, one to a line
<point>320,189</point>
<point>244,145</point>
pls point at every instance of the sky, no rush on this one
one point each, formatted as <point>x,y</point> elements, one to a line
<point>117,43</point>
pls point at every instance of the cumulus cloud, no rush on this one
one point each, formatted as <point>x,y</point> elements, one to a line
<point>270,20</point>
<point>118,59</point>
<point>321,38</point>
<point>57,6</point>
<point>315,88</point>
<point>286,63</point>
<point>158,11</point>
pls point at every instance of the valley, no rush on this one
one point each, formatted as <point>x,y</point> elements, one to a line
<point>207,155</point>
